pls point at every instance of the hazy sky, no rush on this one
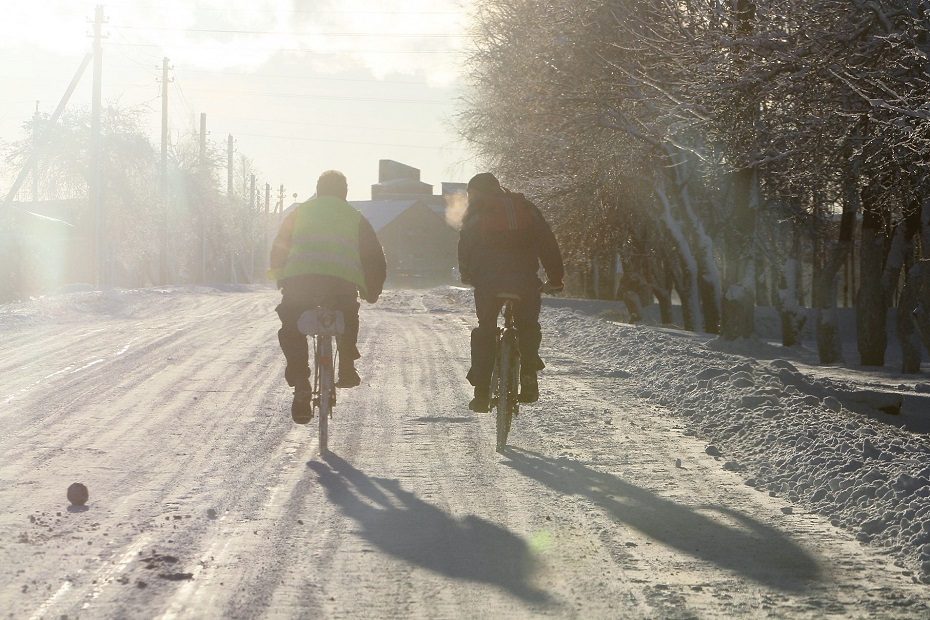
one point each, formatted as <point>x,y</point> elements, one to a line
<point>303,85</point>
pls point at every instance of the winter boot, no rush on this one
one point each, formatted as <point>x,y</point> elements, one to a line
<point>481,403</point>
<point>302,407</point>
<point>529,387</point>
<point>348,376</point>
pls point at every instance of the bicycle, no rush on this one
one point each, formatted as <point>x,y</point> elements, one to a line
<point>323,325</point>
<point>505,378</point>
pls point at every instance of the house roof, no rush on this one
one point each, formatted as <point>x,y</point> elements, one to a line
<point>380,213</point>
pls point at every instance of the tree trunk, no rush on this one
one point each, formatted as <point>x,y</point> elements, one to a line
<point>786,297</point>
<point>688,280</point>
<point>791,314</point>
<point>871,307</point>
<point>922,306</point>
<point>738,316</point>
<point>618,276</point>
<point>908,336</point>
<point>762,285</point>
<point>709,285</point>
<point>663,295</point>
<point>829,341</point>
<point>596,278</point>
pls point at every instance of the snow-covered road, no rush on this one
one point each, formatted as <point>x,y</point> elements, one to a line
<point>207,501</point>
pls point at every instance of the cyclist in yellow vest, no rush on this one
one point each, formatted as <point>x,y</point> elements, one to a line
<point>326,253</point>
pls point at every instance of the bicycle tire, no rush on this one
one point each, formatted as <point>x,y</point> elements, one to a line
<point>503,398</point>
<point>327,387</point>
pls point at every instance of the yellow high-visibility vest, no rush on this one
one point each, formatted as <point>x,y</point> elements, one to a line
<point>325,241</point>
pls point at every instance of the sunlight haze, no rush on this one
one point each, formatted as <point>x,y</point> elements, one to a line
<point>302,86</point>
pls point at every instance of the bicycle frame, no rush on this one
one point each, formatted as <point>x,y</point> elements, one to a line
<point>323,325</point>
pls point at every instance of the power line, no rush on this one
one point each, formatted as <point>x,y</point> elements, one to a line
<point>418,35</point>
<point>333,126</point>
<point>314,96</point>
<point>336,141</point>
<point>182,96</point>
<point>135,4</point>
<point>302,50</point>
<point>264,75</point>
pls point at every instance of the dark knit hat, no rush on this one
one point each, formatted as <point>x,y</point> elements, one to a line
<point>484,182</point>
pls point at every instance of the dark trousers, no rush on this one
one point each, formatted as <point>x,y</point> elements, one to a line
<point>294,344</point>
<point>526,320</point>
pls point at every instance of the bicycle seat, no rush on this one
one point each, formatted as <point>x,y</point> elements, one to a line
<point>321,322</point>
<point>512,296</point>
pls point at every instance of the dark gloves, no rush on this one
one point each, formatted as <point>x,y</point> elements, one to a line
<point>371,298</point>
<point>553,287</point>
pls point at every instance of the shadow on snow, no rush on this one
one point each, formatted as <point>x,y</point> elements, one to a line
<point>748,548</point>
<point>406,527</point>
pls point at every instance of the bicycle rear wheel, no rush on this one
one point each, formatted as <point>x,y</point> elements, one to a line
<point>506,396</point>
<point>327,388</point>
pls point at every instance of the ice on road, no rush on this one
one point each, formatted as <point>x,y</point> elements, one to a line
<point>207,501</point>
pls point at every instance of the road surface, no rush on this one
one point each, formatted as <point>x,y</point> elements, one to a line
<point>207,501</point>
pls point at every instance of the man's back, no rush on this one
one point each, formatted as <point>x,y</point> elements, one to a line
<point>326,245</point>
<point>504,237</point>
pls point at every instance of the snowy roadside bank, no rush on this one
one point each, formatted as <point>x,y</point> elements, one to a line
<point>790,435</point>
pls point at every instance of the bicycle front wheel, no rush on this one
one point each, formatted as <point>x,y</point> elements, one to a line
<point>506,397</point>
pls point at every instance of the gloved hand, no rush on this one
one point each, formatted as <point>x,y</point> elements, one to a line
<point>372,298</point>
<point>553,287</point>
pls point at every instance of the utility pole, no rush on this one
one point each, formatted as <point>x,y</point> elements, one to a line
<point>251,220</point>
<point>35,149</point>
<point>229,166</point>
<point>229,195</point>
<point>163,232</point>
<point>95,192</point>
<point>251,193</point>
<point>203,140</point>
<point>27,167</point>
<point>265,228</point>
<point>280,209</point>
<point>203,207</point>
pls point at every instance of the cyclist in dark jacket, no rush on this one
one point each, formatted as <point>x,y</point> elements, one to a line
<point>503,240</point>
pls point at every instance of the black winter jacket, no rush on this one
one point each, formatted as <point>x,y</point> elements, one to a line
<point>504,239</point>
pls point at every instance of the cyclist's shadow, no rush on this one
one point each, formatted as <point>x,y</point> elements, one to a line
<point>404,526</point>
<point>735,542</point>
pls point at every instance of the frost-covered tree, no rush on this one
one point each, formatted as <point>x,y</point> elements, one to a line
<point>208,230</point>
<point>736,132</point>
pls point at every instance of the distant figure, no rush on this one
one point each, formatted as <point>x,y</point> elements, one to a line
<point>503,240</point>
<point>326,254</point>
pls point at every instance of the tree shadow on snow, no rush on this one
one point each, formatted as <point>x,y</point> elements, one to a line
<point>747,547</point>
<point>406,527</point>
